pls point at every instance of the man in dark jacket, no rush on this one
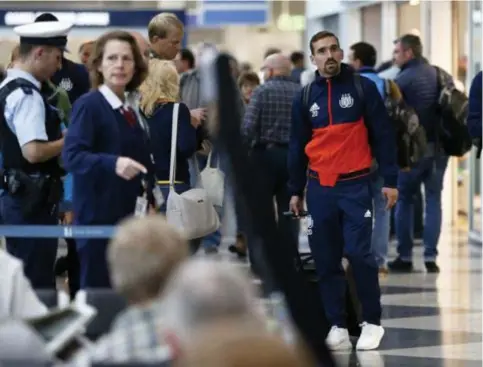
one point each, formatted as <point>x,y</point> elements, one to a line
<point>474,114</point>
<point>71,77</point>
<point>329,143</point>
<point>419,86</point>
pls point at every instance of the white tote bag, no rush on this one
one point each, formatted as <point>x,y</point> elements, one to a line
<point>191,212</point>
<point>212,179</point>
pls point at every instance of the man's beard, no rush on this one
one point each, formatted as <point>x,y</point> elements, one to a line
<point>331,67</point>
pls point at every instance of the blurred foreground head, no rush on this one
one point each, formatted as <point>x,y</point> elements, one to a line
<point>204,291</point>
<point>142,256</point>
<point>234,344</point>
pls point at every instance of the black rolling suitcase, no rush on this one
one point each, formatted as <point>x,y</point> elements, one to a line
<point>306,264</point>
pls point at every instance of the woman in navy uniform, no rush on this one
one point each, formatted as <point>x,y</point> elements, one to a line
<point>106,149</point>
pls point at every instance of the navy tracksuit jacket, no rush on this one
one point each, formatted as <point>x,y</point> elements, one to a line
<point>329,146</point>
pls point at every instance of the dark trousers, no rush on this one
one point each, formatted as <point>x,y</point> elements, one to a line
<point>342,227</point>
<point>93,263</point>
<point>273,161</point>
<point>37,254</point>
<point>73,267</point>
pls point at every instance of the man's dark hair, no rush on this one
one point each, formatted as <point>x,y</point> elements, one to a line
<point>297,57</point>
<point>365,53</point>
<point>46,17</point>
<point>413,43</point>
<point>188,56</point>
<point>320,36</point>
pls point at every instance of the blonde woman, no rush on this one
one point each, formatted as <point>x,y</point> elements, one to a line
<point>159,93</point>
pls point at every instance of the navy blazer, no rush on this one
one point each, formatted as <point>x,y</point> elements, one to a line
<point>97,136</point>
<point>160,130</point>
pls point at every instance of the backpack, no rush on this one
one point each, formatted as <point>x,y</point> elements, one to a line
<point>454,136</point>
<point>411,136</point>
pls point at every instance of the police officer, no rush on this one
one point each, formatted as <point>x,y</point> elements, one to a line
<point>31,142</point>
<point>329,143</point>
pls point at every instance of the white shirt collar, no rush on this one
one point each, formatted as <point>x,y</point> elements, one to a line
<point>18,73</point>
<point>111,97</point>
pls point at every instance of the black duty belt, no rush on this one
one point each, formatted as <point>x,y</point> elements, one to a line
<point>345,176</point>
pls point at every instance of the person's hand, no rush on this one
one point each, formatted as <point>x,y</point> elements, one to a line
<point>68,218</point>
<point>128,168</point>
<point>197,116</point>
<point>391,196</point>
<point>296,205</point>
<point>206,148</point>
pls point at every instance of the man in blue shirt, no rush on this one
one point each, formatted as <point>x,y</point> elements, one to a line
<point>363,58</point>
<point>419,86</point>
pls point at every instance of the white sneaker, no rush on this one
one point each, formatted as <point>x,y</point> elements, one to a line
<point>371,336</point>
<point>338,339</point>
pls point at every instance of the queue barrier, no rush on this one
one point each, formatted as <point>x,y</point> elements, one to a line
<point>56,231</point>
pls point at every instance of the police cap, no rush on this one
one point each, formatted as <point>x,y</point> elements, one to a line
<point>45,31</point>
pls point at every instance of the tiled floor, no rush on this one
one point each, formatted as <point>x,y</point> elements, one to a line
<point>431,320</point>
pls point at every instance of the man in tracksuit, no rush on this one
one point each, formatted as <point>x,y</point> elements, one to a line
<point>329,145</point>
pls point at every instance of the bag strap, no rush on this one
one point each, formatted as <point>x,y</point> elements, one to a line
<point>174,141</point>
<point>209,159</point>
<point>306,95</point>
<point>358,85</point>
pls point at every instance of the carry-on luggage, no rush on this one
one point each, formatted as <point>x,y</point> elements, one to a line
<point>353,308</point>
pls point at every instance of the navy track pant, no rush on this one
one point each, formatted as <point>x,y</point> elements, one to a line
<point>342,227</point>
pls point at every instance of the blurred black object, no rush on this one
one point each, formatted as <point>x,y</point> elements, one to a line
<point>478,144</point>
<point>275,241</point>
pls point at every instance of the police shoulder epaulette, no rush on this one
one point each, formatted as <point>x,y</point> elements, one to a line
<point>26,89</point>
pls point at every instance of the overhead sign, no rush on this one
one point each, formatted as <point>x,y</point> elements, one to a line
<point>106,18</point>
<point>99,19</point>
<point>216,13</point>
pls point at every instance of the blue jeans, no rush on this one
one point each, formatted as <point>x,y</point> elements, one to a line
<point>382,221</point>
<point>214,239</point>
<point>430,172</point>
